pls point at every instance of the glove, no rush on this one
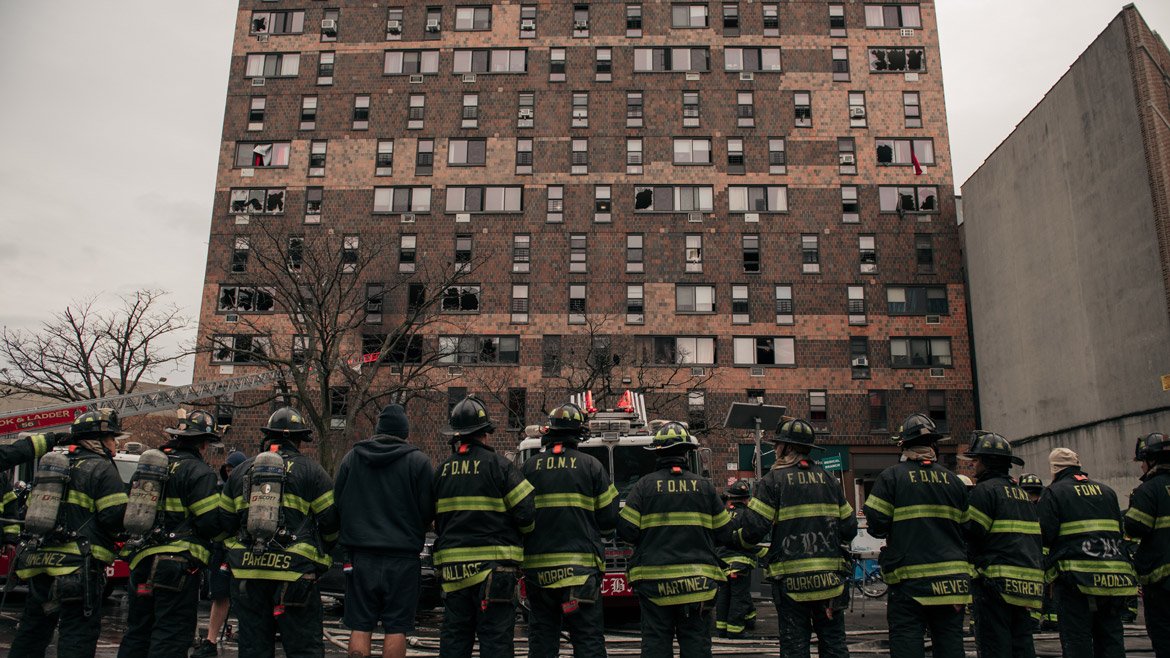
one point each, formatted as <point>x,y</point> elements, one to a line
<point>53,438</point>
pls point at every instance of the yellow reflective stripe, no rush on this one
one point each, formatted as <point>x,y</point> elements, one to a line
<point>1156,575</point>
<point>226,503</point>
<point>11,529</point>
<point>1095,566</point>
<point>565,500</point>
<point>332,536</point>
<point>911,512</point>
<point>606,498</point>
<point>102,553</point>
<point>700,519</point>
<point>265,574</point>
<point>806,565</point>
<point>545,560</point>
<point>879,505</point>
<point>197,551</point>
<point>48,571</point>
<point>763,509</point>
<point>952,568</point>
<point>527,529</point>
<point>80,499</point>
<point>111,500</point>
<point>845,512</point>
<point>1135,514</point>
<point>40,445</point>
<point>1010,571</point>
<point>960,599</point>
<point>293,501</point>
<point>807,511</point>
<point>630,514</point>
<point>479,554</point>
<point>1090,525</point>
<point>201,507</point>
<point>1020,527</point>
<point>977,515</point>
<point>817,595</point>
<point>469,504</point>
<point>453,585</point>
<point>173,505</point>
<point>310,552</point>
<point>668,571</point>
<point>517,494</point>
<point>8,498</point>
<point>322,502</point>
<point>1162,522</point>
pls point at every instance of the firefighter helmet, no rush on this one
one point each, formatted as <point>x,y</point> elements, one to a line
<point>672,436</point>
<point>796,432</point>
<point>197,425</point>
<point>566,419</point>
<point>740,489</point>
<point>96,424</point>
<point>1150,445</point>
<point>1031,483</point>
<point>917,429</point>
<point>467,418</point>
<point>287,423</point>
<point>990,444</point>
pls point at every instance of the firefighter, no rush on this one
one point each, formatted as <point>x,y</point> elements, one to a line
<point>674,519</point>
<point>278,512</point>
<point>1081,524</point>
<point>219,578</point>
<point>1032,485</point>
<point>564,559</point>
<point>1045,618</point>
<point>1003,537</point>
<point>917,506</point>
<point>166,564</point>
<point>1148,520</point>
<point>484,507</point>
<point>28,449</point>
<point>80,508</point>
<point>799,500</point>
<point>734,611</point>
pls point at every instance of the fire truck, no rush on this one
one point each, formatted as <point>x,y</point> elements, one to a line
<point>617,438</point>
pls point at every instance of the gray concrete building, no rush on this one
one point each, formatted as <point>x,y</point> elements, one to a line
<point>1068,260</point>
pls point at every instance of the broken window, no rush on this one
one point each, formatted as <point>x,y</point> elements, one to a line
<point>897,60</point>
<point>349,253</point>
<point>764,351</point>
<point>246,299</point>
<point>240,349</point>
<point>677,198</point>
<point>908,199</point>
<point>277,22</point>
<point>296,253</point>
<point>258,201</point>
<point>314,199</point>
<point>461,299</point>
<point>905,151</point>
<point>262,154</point>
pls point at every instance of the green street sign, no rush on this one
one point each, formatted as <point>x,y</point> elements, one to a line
<point>831,463</point>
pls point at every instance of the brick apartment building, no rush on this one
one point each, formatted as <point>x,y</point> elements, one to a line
<point>721,197</point>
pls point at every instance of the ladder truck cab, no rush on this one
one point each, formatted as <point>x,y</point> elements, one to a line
<point>617,438</point>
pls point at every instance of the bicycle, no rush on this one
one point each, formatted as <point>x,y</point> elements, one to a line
<point>866,576</point>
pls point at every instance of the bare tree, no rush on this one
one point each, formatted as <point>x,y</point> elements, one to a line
<point>87,352</point>
<point>342,347</point>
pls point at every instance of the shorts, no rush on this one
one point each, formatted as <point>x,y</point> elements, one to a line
<point>219,581</point>
<point>381,587</point>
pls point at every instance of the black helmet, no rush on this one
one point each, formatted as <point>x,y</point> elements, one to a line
<point>1031,483</point>
<point>567,419</point>
<point>1150,445</point>
<point>990,444</point>
<point>287,423</point>
<point>917,429</point>
<point>467,418</point>
<point>740,489</point>
<point>198,424</point>
<point>796,432</point>
<point>672,437</point>
<point>96,424</point>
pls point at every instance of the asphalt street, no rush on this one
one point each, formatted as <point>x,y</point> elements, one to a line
<point>865,625</point>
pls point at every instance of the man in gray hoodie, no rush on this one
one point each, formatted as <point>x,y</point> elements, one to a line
<point>383,493</point>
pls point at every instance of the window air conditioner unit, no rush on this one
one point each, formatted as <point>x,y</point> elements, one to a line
<point>847,159</point>
<point>693,76</point>
<point>454,370</point>
<point>698,372</point>
<point>329,25</point>
<point>857,113</point>
<point>231,317</point>
<point>757,372</point>
<point>580,25</point>
<point>861,362</point>
<point>469,77</point>
<point>751,217</point>
<point>407,218</point>
<point>394,27</point>
<point>907,32</point>
<point>937,372</point>
<point>525,113</point>
<point>747,76</point>
<point>933,319</point>
<point>463,217</point>
<point>694,217</point>
<point>634,158</point>
<point>527,25</point>
<point>433,25</point>
<point>257,82</point>
<point>416,79</point>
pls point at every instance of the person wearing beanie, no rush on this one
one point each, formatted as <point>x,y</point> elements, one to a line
<point>383,494</point>
<point>1080,522</point>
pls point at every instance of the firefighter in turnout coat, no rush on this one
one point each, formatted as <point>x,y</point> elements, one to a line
<point>918,507</point>
<point>1087,559</point>
<point>275,566</point>
<point>734,611</point>
<point>484,507</point>
<point>166,565</point>
<point>564,558</point>
<point>674,519</point>
<point>65,566</point>
<point>1003,535</point>
<point>803,509</point>
<point>1148,520</point>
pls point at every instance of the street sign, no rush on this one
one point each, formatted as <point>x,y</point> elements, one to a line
<point>832,463</point>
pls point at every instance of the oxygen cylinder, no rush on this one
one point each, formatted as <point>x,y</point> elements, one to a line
<point>267,481</point>
<point>48,491</point>
<point>146,491</point>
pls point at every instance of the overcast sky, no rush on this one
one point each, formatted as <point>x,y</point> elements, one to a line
<point>112,114</point>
